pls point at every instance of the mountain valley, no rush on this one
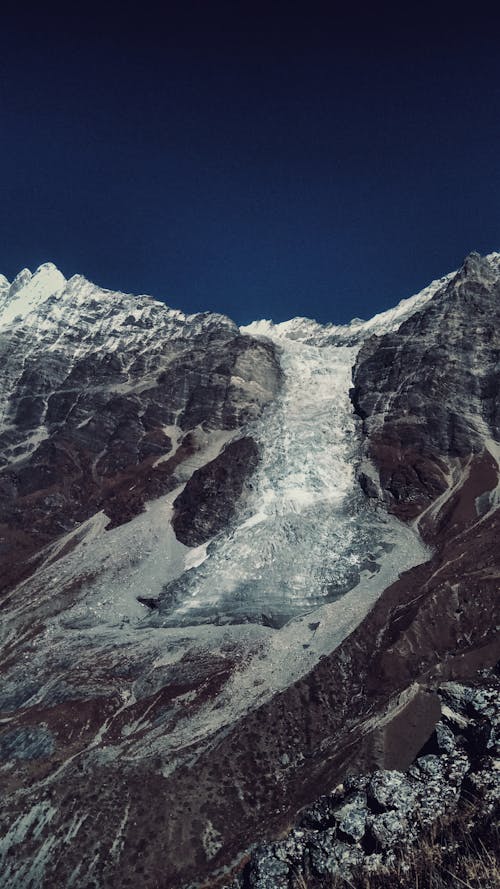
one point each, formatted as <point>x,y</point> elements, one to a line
<point>236,565</point>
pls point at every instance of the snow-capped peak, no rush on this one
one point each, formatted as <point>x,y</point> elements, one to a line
<point>28,291</point>
<point>22,278</point>
<point>310,331</point>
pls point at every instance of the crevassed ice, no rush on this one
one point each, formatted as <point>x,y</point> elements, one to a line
<point>297,543</point>
<point>306,536</point>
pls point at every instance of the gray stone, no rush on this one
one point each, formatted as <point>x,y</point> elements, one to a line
<point>329,857</point>
<point>484,785</point>
<point>388,829</point>
<point>351,816</point>
<point>445,738</point>
<point>392,790</point>
<point>321,815</point>
<point>267,871</point>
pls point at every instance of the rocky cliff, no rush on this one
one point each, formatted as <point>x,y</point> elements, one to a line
<point>238,565</point>
<point>105,398</point>
<point>429,396</point>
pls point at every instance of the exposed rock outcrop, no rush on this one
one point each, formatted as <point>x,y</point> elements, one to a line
<point>429,393</point>
<point>207,502</point>
<point>369,818</point>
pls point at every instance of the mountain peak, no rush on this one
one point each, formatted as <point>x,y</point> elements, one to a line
<point>21,279</point>
<point>293,509</point>
<point>47,268</point>
<point>29,290</point>
<point>477,267</point>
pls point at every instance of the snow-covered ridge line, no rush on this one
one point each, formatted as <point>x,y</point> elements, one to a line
<point>47,294</point>
<point>29,291</point>
<point>308,330</point>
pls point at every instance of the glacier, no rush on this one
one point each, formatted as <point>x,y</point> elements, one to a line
<point>303,538</point>
<point>306,535</point>
<point>292,545</point>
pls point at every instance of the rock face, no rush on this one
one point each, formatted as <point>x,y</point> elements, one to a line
<point>222,478</point>
<point>429,393</point>
<point>207,502</point>
<point>104,397</point>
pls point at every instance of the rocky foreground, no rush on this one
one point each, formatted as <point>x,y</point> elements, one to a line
<point>367,823</point>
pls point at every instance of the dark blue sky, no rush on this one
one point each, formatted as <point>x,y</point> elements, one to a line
<point>260,160</point>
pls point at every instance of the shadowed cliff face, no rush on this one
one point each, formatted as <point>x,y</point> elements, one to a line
<point>206,503</point>
<point>142,753</point>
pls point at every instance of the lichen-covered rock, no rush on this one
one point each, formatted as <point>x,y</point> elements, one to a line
<point>351,817</point>
<point>391,790</point>
<point>329,857</point>
<point>445,738</point>
<point>368,818</point>
<point>440,779</point>
<point>321,815</point>
<point>268,871</point>
<point>388,829</point>
<point>483,785</point>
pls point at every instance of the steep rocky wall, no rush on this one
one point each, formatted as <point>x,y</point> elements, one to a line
<point>208,499</point>
<point>429,394</point>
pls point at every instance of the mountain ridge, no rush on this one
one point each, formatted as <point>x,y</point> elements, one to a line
<point>50,270</point>
<point>221,678</point>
